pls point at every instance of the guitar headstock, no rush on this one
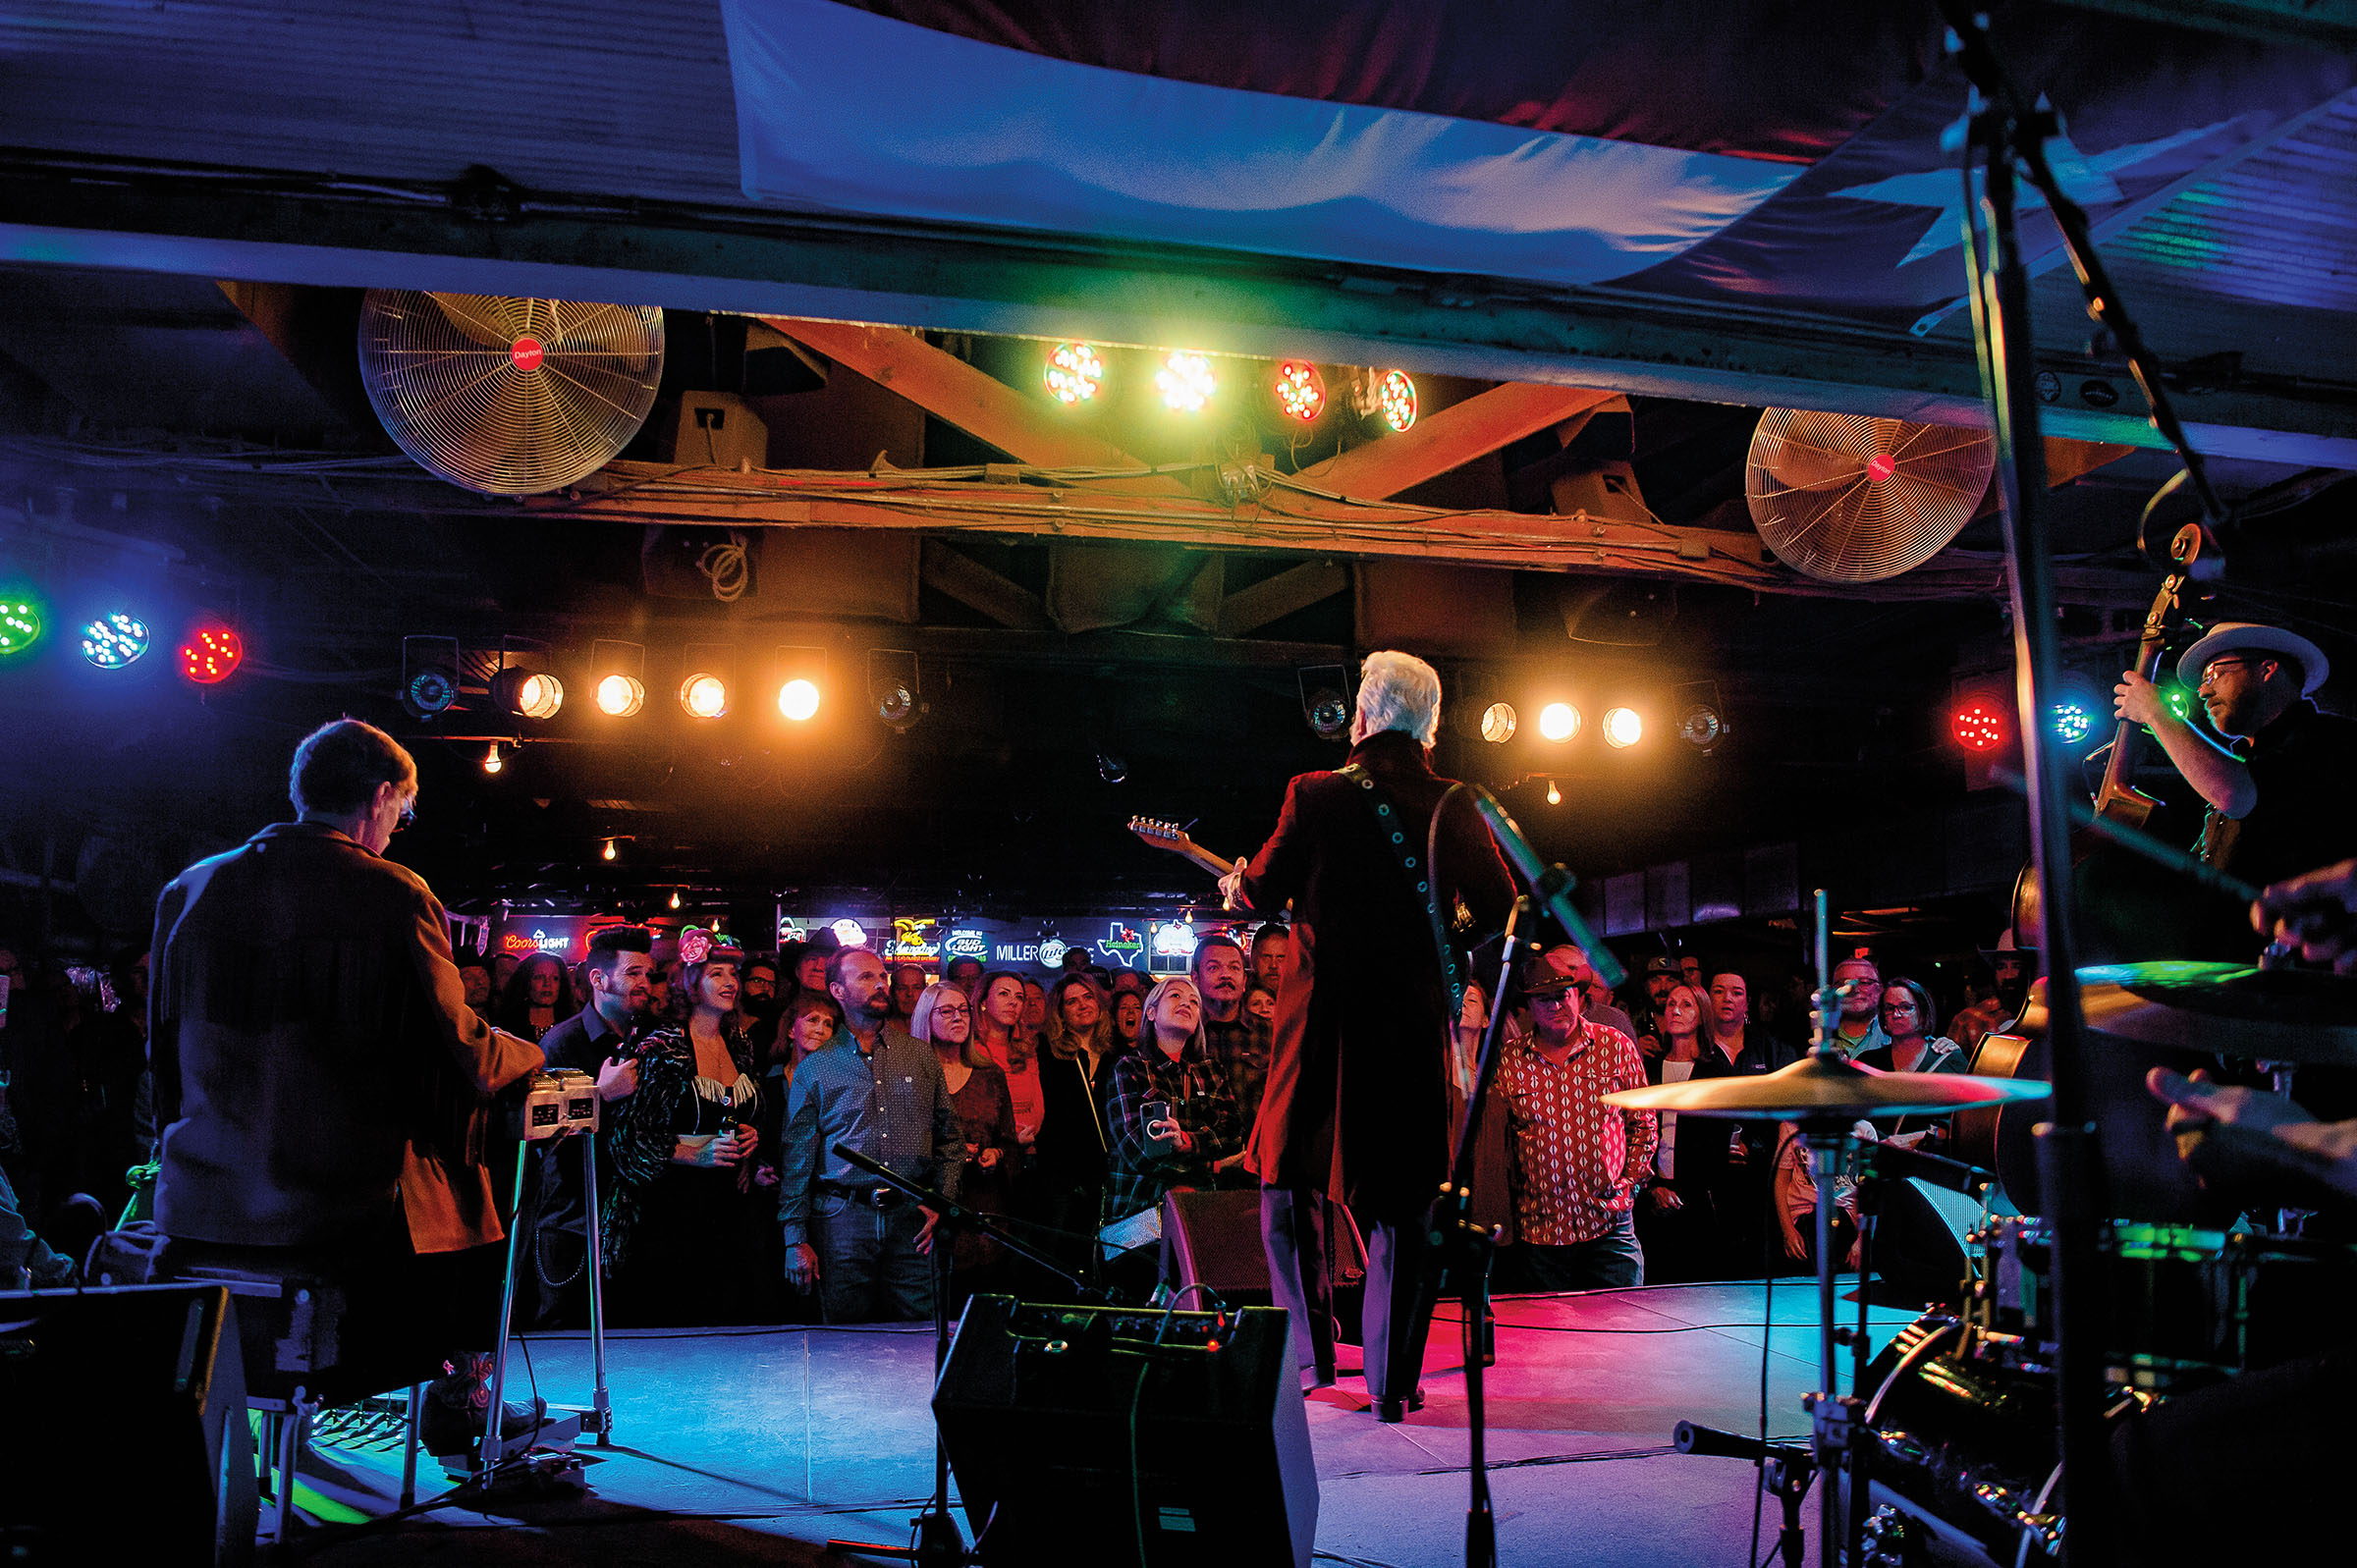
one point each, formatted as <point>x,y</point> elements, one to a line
<point>1161,835</point>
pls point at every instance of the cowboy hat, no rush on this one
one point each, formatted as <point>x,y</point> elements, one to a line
<point>2235,636</point>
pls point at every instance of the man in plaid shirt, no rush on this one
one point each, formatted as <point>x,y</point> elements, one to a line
<point>1199,1136</point>
<point>1576,1164</point>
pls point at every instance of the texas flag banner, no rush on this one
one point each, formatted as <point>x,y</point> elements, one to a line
<point>1776,154</point>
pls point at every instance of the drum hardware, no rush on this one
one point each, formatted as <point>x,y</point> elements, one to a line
<point>1785,1471</point>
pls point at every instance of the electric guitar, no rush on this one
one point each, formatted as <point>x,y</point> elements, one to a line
<point>1172,838</point>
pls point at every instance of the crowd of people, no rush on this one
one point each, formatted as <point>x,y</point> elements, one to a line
<point>1062,1110</point>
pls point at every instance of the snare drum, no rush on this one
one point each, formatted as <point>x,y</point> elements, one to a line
<point>2180,1304</point>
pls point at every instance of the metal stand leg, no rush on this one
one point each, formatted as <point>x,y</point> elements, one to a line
<point>408,1446</point>
<point>601,1408</point>
<point>507,1308</point>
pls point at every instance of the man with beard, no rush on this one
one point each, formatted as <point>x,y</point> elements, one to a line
<point>757,999</point>
<point>1239,1042</point>
<point>622,1005</point>
<point>2276,783</point>
<point>876,1089</point>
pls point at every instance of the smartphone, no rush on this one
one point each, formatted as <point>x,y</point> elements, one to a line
<point>1157,1114</point>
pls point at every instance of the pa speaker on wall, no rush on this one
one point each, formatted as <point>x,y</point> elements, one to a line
<point>1036,1405</point>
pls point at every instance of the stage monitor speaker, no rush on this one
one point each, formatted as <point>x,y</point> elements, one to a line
<point>121,1410</point>
<point>1920,1250</point>
<point>1036,1406</point>
<point>1215,1241</point>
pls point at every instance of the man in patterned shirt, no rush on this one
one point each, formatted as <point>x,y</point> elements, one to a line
<point>1576,1163</point>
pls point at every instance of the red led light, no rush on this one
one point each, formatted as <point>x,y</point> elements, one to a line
<point>526,354</point>
<point>211,654</point>
<point>1300,390</point>
<point>1978,724</point>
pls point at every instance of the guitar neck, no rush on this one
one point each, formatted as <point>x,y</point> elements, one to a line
<point>1204,858</point>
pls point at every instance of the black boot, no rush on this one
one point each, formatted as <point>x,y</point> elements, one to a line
<point>458,1403</point>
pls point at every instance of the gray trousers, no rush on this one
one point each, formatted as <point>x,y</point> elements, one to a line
<point>1293,1233</point>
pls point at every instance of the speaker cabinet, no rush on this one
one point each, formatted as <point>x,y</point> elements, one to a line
<point>1037,1404</point>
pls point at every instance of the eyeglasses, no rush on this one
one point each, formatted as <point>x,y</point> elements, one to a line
<point>2210,671</point>
<point>950,1012</point>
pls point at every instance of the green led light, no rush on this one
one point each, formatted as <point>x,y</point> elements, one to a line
<point>20,624</point>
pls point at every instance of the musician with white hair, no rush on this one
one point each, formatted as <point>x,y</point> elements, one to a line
<point>1356,1107</point>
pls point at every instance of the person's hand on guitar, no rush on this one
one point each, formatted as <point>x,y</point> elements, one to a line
<point>2316,912</point>
<point>1232,887</point>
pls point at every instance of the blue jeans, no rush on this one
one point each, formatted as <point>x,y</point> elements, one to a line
<point>869,1270</point>
<point>1609,1262</point>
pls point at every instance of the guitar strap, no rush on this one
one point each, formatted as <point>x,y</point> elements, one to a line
<point>1393,831</point>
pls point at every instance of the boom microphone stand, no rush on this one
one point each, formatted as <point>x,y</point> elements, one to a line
<point>939,1542</point>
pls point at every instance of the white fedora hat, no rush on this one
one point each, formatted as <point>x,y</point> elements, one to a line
<point>2230,635</point>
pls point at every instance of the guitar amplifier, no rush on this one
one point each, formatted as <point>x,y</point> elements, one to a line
<point>1036,1405</point>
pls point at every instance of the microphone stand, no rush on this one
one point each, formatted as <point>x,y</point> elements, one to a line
<point>2008,128</point>
<point>939,1542</point>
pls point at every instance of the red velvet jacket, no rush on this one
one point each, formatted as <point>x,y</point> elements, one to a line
<point>1358,1099</point>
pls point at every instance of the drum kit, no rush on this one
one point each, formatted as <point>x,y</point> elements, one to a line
<point>1946,1449</point>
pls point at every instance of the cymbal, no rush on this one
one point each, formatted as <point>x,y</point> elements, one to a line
<point>1820,1088</point>
<point>2297,1015</point>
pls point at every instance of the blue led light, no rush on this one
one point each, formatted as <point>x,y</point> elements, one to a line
<point>114,640</point>
<point>2073,723</point>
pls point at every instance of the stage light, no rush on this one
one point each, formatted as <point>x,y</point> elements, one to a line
<point>704,696</point>
<point>1701,727</point>
<point>1185,382</point>
<point>492,760</point>
<point>1112,768</point>
<point>1498,723</point>
<point>2179,700</point>
<point>610,850</point>
<point>1300,390</point>
<point>797,699</point>
<point>620,696</point>
<point>1623,728</point>
<point>1559,721</point>
<point>528,693</point>
<point>894,691</point>
<point>2072,722</point>
<point>114,640</point>
<point>1555,794</point>
<point>211,654</point>
<point>429,692</point>
<point>1075,370</point>
<point>1325,699</point>
<point>1396,400</point>
<point>1978,723</point>
<point>20,624</point>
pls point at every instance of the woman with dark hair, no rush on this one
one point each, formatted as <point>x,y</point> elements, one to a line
<point>535,1002</point>
<point>1908,1018</point>
<point>1068,1167</point>
<point>944,1019</point>
<point>1674,1222</point>
<point>1002,1040</point>
<point>676,1224</point>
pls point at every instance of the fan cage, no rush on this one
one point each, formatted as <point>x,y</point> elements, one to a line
<point>507,396</point>
<point>1856,498</point>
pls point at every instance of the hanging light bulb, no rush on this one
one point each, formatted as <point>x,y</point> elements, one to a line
<point>1555,794</point>
<point>675,897</point>
<point>610,849</point>
<point>492,760</point>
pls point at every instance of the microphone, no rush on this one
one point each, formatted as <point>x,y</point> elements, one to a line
<point>1550,885</point>
<point>1896,1160</point>
<point>1694,1438</point>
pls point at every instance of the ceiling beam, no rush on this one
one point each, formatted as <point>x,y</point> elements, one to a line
<point>1451,438</point>
<point>975,402</point>
<point>1249,609</point>
<point>977,587</point>
<point>278,224</point>
<point>1285,520</point>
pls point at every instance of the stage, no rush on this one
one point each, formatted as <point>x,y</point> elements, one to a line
<point>757,1445</point>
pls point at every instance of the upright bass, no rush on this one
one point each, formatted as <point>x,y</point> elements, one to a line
<point>2120,899</point>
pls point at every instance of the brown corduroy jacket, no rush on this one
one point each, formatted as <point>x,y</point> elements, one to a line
<point>318,1074</point>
